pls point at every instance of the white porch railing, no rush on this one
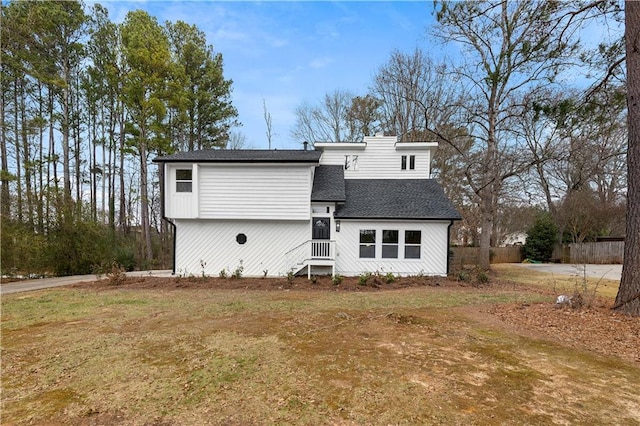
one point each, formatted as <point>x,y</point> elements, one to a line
<point>322,249</point>
<point>310,250</point>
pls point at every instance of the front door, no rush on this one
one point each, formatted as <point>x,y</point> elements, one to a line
<point>321,228</point>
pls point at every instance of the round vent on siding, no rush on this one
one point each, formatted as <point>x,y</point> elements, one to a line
<point>241,238</point>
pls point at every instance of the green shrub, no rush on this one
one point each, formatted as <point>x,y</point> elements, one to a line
<point>463,276</point>
<point>541,238</point>
<point>337,279</point>
<point>482,277</point>
<point>389,277</point>
<point>364,278</point>
<point>237,273</point>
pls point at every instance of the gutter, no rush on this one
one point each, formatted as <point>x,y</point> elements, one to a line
<point>449,245</point>
<point>166,219</point>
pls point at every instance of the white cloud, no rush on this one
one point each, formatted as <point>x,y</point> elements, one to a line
<point>321,62</point>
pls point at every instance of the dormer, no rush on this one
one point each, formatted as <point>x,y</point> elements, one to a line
<point>380,157</point>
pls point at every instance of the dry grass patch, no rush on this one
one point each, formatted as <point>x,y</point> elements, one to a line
<point>207,356</point>
<point>558,284</point>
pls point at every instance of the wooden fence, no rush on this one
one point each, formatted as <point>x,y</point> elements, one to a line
<point>461,256</point>
<point>603,252</point>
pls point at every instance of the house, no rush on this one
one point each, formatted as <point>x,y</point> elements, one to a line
<point>343,208</point>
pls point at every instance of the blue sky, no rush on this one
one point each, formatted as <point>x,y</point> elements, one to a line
<point>290,52</point>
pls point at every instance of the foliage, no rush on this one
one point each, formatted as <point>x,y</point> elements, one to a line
<point>223,274</point>
<point>84,100</point>
<point>116,275</point>
<point>482,277</point>
<point>71,247</point>
<point>337,279</point>
<point>389,277</point>
<point>541,238</point>
<point>237,273</point>
<point>363,279</point>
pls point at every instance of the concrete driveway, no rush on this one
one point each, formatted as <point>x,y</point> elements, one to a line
<point>42,283</point>
<point>610,272</point>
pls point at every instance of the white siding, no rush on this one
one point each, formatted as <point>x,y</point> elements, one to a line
<point>433,248</point>
<point>180,204</point>
<point>279,192</point>
<point>379,160</point>
<point>214,242</point>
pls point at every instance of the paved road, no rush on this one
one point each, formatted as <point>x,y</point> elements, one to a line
<point>610,272</point>
<point>39,284</point>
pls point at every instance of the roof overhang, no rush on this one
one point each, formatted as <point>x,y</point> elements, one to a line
<point>416,145</point>
<point>320,146</point>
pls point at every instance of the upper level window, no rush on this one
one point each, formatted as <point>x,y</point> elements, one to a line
<point>389,244</point>
<point>412,162</point>
<point>184,180</point>
<point>368,243</point>
<point>351,162</point>
<point>412,244</point>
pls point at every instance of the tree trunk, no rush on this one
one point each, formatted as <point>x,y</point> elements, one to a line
<point>16,132</point>
<point>144,203</point>
<point>628,298</point>
<point>122,218</point>
<point>4,172</point>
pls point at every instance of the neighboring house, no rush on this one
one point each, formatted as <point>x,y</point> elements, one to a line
<point>344,208</point>
<point>514,239</point>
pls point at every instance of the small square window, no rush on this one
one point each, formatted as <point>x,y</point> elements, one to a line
<point>184,180</point>
<point>184,174</point>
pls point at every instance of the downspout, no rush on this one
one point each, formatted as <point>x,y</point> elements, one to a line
<point>166,219</point>
<point>449,245</point>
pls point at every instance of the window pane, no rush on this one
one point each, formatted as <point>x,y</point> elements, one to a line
<point>368,251</point>
<point>390,237</point>
<point>183,186</point>
<point>367,236</point>
<point>390,252</point>
<point>412,252</point>
<point>404,162</point>
<point>412,162</point>
<point>412,237</point>
<point>183,174</point>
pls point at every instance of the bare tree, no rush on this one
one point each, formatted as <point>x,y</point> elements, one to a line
<point>267,120</point>
<point>237,140</point>
<point>510,49</point>
<point>326,122</point>
<point>415,95</point>
<point>628,297</point>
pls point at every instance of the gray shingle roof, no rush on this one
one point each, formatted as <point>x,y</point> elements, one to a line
<point>328,184</point>
<point>242,156</point>
<point>395,199</point>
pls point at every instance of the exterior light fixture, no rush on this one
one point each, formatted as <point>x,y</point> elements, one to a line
<point>337,226</point>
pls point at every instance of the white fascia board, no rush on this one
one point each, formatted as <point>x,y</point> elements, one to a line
<point>341,145</point>
<point>416,145</point>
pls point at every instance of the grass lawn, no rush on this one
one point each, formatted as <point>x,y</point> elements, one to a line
<point>419,355</point>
